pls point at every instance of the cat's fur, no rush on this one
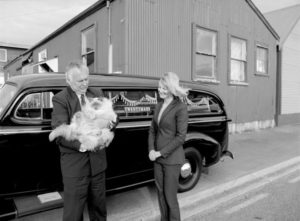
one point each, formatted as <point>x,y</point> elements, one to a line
<point>90,125</point>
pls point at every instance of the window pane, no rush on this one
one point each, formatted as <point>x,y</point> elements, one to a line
<point>88,48</point>
<point>47,105</point>
<point>88,40</point>
<point>30,107</point>
<point>133,103</point>
<point>89,61</point>
<point>262,60</point>
<point>205,66</point>
<point>206,42</point>
<point>199,103</point>
<point>238,49</point>
<point>3,55</point>
<point>237,71</point>
<point>7,92</point>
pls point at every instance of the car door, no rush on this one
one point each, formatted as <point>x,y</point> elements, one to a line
<point>28,161</point>
<point>127,155</point>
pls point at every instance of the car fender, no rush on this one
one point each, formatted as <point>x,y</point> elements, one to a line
<point>201,142</point>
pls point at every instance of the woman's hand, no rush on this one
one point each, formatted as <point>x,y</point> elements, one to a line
<point>153,155</point>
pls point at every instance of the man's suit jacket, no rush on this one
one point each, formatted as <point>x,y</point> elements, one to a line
<point>73,162</point>
<point>169,134</point>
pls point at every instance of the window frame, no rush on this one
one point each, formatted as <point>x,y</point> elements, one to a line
<point>5,54</point>
<point>132,117</point>
<point>214,75</point>
<point>83,53</point>
<point>42,57</point>
<point>237,82</point>
<point>41,120</point>
<point>207,110</point>
<point>262,46</point>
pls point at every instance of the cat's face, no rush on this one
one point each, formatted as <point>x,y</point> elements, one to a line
<point>96,103</point>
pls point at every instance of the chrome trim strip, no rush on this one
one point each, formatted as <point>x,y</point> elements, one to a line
<point>134,124</point>
<point>122,125</point>
<point>22,131</point>
<point>207,120</point>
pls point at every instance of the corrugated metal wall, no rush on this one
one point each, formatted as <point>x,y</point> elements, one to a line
<point>158,36</point>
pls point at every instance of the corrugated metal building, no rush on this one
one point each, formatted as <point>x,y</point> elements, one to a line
<point>226,44</point>
<point>287,24</point>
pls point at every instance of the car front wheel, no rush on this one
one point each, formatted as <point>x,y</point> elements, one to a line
<point>191,170</point>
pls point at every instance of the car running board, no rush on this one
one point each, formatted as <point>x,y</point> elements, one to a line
<point>28,205</point>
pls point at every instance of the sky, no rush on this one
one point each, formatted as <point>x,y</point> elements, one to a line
<point>26,22</point>
<point>271,5</point>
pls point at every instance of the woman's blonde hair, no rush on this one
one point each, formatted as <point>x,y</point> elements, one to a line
<point>171,81</point>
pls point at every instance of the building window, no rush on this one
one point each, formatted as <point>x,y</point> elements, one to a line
<point>42,56</point>
<point>3,55</point>
<point>88,44</point>
<point>238,60</point>
<point>261,60</point>
<point>205,54</point>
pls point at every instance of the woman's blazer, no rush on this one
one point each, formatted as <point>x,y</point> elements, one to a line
<point>169,134</point>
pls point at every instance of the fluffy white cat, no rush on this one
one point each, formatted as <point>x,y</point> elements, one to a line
<point>90,125</point>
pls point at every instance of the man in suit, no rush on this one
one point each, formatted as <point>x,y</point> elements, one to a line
<point>166,136</point>
<point>83,172</point>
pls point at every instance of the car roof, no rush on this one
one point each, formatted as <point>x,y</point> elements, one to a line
<point>58,79</point>
<point>41,80</point>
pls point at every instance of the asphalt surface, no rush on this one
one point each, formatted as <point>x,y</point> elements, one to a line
<point>276,200</point>
<point>256,153</point>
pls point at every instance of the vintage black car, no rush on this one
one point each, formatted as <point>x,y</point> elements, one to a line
<point>29,163</point>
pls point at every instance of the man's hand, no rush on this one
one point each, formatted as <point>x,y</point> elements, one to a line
<point>82,148</point>
<point>113,124</point>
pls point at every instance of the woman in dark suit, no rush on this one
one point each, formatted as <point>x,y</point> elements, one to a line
<point>166,137</point>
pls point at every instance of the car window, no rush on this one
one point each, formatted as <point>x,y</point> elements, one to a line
<point>35,106</point>
<point>7,92</point>
<point>133,103</point>
<point>202,103</point>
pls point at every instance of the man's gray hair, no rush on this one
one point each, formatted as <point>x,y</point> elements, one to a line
<point>75,65</point>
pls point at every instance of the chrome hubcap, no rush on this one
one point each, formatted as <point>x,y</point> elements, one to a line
<point>186,170</point>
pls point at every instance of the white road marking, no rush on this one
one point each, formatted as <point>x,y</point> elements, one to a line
<point>246,203</point>
<point>259,184</point>
<point>237,182</point>
<point>295,180</point>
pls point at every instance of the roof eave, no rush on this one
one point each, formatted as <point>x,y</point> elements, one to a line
<point>90,10</point>
<point>264,20</point>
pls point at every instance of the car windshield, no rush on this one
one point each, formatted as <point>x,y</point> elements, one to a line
<point>7,92</point>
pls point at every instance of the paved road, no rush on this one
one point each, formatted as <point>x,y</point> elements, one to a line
<point>273,197</point>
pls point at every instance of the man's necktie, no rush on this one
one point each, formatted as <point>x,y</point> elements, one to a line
<point>82,100</point>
